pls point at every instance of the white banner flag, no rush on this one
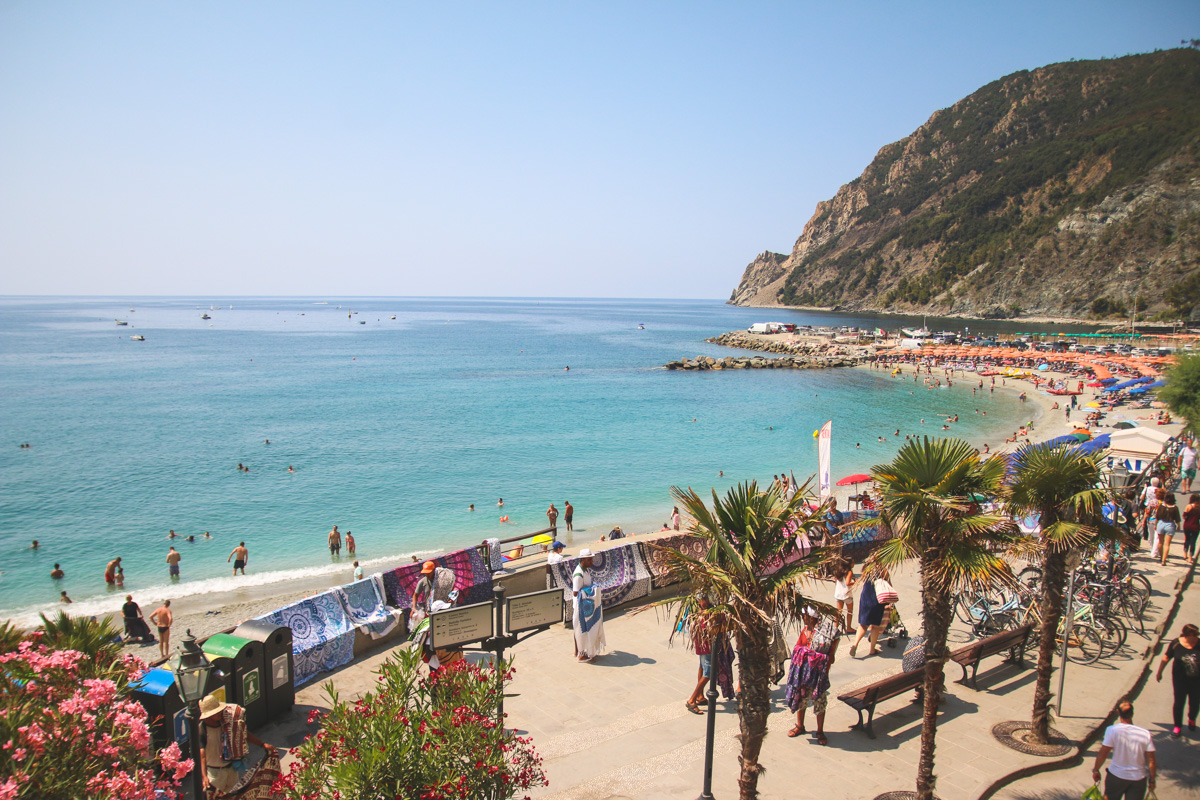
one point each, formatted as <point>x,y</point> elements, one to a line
<point>823,459</point>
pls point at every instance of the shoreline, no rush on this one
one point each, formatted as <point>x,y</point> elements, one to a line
<point>210,612</point>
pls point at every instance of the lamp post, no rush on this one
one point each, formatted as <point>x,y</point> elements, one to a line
<point>191,670</point>
<point>710,733</point>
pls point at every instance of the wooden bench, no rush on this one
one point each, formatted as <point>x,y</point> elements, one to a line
<point>972,654</point>
<point>865,698</point>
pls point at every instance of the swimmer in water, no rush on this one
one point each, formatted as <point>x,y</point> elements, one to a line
<point>266,441</point>
<point>500,503</point>
<point>57,572</point>
<point>472,508</point>
<point>34,546</point>
<point>172,534</point>
<point>63,597</point>
<point>207,535</point>
<point>290,468</point>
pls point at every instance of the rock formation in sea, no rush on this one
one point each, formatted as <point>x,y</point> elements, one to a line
<point>1072,190</point>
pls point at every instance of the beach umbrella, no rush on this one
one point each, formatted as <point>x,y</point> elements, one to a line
<point>1043,367</point>
<point>1091,405</point>
<point>541,538</point>
<point>851,480</point>
<point>1083,437</point>
<point>1125,425</point>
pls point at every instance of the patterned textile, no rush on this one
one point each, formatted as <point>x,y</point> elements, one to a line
<point>809,676</point>
<point>363,602</point>
<point>860,543</point>
<point>322,636</point>
<point>589,609</point>
<point>256,783</point>
<point>723,661</point>
<point>472,578</point>
<point>657,561</point>
<point>619,573</point>
<point>495,554</point>
<point>234,746</point>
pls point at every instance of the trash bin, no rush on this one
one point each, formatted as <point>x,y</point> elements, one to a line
<point>242,660</point>
<point>159,695</point>
<point>276,641</point>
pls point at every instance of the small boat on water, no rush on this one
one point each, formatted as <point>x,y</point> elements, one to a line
<point>641,327</point>
<point>393,316</point>
<point>122,322</point>
<point>138,338</point>
<point>205,316</point>
<point>362,322</point>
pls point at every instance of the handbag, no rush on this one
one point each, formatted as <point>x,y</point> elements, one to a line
<point>884,593</point>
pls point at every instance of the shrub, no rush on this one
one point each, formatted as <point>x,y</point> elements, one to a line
<point>425,738</point>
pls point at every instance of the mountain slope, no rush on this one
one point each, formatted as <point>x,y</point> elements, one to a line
<point>1071,190</point>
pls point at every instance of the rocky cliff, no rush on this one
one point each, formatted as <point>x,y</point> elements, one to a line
<point>1071,190</point>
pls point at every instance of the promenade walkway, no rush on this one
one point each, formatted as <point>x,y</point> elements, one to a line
<point>617,728</point>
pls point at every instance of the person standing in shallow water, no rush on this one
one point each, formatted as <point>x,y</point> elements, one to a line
<point>568,514</point>
<point>335,541</point>
<point>240,556</point>
<point>552,515</point>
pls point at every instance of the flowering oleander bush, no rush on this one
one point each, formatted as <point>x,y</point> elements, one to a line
<point>416,738</point>
<point>68,730</point>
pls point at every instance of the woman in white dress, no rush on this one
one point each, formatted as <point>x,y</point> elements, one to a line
<point>588,615</point>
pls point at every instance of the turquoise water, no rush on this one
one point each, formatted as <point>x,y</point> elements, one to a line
<point>393,427</point>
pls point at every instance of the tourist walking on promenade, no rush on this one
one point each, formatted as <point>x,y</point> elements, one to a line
<point>1167,517</point>
<point>173,558</point>
<point>1191,527</point>
<point>335,541</point>
<point>552,515</point>
<point>1187,466</point>
<point>871,611</point>
<point>162,619</point>
<point>568,514</point>
<point>1133,768</point>
<point>240,556</point>
<point>1185,675</point>
<point>702,643</point>
<point>588,616</point>
<point>843,593</point>
<point>808,678</point>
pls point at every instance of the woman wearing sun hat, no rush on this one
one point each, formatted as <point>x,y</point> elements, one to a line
<point>588,615</point>
<point>223,737</point>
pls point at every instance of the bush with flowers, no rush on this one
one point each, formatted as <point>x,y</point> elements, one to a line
<point>68,730</point>
<point>416,738</point>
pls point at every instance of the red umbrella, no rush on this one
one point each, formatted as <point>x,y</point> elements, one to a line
<point>851,480</point>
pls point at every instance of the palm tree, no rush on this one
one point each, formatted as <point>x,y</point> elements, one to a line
<point>1059,484</point>
<point>95,638</point>
<point>750,571</point>
<point>926,501</point>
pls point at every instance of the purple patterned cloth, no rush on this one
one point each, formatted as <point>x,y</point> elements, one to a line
<point>655,554</point>
<point>472,578</point>
<point>810,670</point>
<point>619,572</point>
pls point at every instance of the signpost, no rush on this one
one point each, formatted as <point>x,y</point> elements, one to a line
<point>486,624</point>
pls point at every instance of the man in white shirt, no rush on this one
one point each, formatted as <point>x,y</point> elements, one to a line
<point>1133,767</point>
<point>1187,466</point>
<point>556,550</point>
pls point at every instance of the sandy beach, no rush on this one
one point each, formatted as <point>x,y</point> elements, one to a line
<point>212,613</point>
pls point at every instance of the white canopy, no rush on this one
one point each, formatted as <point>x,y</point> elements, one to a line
<point>1137,445</point>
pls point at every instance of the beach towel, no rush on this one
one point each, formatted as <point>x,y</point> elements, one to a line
<point>322,636</point>
<point>658,561</point>
<point>255,784</point>
<point>495,554</point>
<point>472,578</point>
<point>589,622</point>
<point>619,573</point>
<point>363,602</point>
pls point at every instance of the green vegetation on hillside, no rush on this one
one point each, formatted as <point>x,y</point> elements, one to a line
<point>985,181</point>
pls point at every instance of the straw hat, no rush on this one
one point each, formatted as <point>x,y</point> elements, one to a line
<point>210,706</point>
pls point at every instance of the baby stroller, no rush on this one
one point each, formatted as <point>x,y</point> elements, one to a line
<point>895,630</point>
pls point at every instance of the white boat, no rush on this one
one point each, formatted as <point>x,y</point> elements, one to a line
<point>641,327</point>
<point>205,316</point>
<point>393,316</point>
<point>922,332</point>
<point>122,322</point>
<point>138,338</point>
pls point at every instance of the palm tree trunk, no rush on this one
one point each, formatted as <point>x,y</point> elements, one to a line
<point>938,611</point>
<point>754,705</point>
<point>1050,606</point>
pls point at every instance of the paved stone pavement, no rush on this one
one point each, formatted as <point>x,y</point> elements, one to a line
<point>617,728</point>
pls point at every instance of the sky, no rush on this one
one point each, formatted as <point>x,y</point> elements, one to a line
<point>616,149</point>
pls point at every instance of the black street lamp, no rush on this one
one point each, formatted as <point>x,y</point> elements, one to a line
<point>191,670</point>
<point>711,733</point>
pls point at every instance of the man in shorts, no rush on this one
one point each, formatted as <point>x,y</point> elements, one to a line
<point>568,515</point>
<point>110,571</point>
<point>1187,466</point>
<point>162,619</point>
<point>335,541</point>
<point>240,556</point>
<point>173,558</point>
<point>1134,768</point>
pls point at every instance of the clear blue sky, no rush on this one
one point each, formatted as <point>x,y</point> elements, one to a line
<point>615,149</point>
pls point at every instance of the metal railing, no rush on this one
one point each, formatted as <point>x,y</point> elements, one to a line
<point>485,549</point>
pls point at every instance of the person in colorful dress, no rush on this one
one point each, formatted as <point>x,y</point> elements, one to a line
<point>808,679</point>
<point>588,615</point>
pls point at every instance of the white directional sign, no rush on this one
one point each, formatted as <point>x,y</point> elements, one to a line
<point>535,610</point>
<point>461,625</point>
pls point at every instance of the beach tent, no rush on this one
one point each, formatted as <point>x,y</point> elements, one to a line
<point>1136,447</point>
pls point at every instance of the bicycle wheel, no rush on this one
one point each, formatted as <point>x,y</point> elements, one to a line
<point>1113,633</point>
<point>962,612</point>
<point>1141,584</point>
<point>1083,644</point>
<point>1030,578</point>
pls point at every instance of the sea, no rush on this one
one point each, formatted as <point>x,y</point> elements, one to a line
<point>394,417</point>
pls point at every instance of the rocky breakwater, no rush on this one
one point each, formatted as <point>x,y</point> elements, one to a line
<point>796,354</point>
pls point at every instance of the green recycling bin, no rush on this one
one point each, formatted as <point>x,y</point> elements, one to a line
<point>241,660</point>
